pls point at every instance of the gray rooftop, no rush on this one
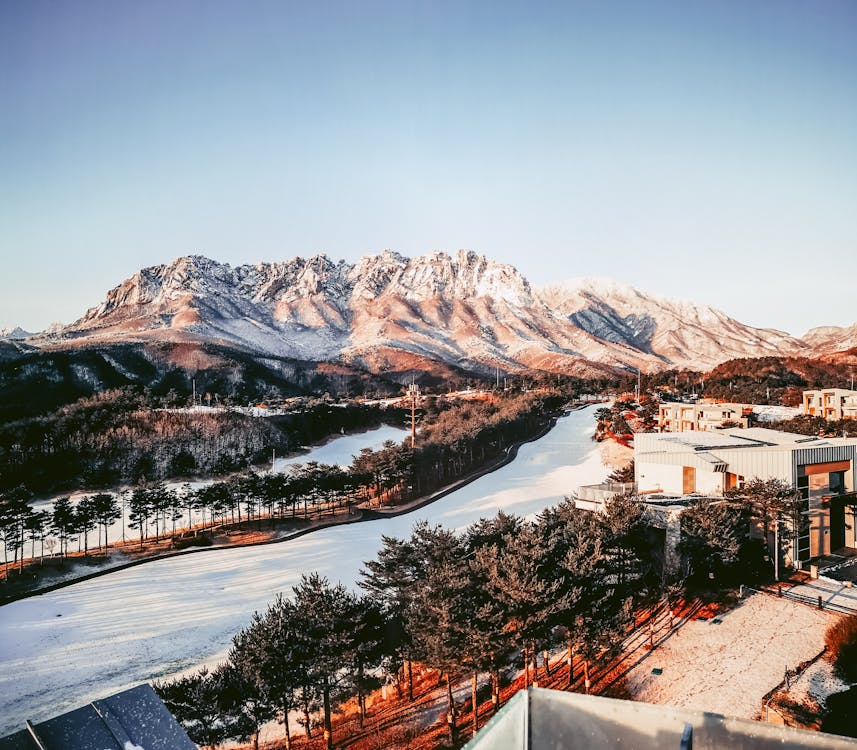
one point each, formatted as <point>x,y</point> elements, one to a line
<point>549,720</point>
<point>135,719</point>
<point>750,437</point>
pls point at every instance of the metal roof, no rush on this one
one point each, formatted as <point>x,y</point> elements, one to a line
<point>749,437</point>
<point>549,719</point>
<point>135,719</point>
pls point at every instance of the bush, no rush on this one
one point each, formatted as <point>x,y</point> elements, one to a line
<point>841,641</point>
<point>193,541</point>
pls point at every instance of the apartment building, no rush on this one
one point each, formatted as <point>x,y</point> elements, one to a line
<point>831,403</point>
<point>710,463</point>
<point>701,416</point>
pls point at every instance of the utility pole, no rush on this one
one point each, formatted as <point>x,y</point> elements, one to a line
<point>193,398</point>
<point>273,458</point>
<point>777,548</point>
<point>413,391</point>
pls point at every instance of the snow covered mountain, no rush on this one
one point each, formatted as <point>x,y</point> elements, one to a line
<point>677,332</point>
<point>387,312</point>
<point>830,339</point>
<point>14,334</point>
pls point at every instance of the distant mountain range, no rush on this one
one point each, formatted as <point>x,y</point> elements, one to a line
<point>14,334</point>
<point>391,313</point>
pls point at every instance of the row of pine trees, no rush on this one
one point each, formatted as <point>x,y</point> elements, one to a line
<point>454,440</point>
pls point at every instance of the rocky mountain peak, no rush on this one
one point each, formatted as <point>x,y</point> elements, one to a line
<point>372,274</point>
<point>832,338</point>
<point>14,334</point>
<point>459,307</point>
<point>463,275</point>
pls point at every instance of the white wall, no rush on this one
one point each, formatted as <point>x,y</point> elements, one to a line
<point>764,464</point>
<point>660,477</point>
<point>709,482</point>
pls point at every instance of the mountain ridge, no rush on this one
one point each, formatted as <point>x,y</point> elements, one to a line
<point>461,309</point>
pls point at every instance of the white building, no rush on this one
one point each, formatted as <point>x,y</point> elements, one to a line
<point>831,403</point>
<point>701,416</point>
<point>710,463</point>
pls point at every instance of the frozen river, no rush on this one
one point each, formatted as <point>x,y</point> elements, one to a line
<point>81,643</point>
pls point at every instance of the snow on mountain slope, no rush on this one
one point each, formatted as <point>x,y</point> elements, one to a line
<point>677,332</point>
<point>14,334</point>
<point>386,311</point>
<point>830,339</point>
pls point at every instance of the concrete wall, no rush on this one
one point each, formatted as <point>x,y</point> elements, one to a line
<point>659,477</point>
<point>709,482</point>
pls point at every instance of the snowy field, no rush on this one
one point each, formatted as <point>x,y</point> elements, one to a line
<point>773,413</point>
<point>726,668</point>
<point>341,450</point>
<point>84,642</point>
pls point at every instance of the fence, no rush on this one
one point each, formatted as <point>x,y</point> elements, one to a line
<point>816,602</point>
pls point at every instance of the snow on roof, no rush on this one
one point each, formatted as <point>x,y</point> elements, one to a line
<point>134,719</point>
<point>750,437</point>
<point>780,438</point>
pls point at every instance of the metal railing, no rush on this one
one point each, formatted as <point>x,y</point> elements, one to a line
<point>816,602</point>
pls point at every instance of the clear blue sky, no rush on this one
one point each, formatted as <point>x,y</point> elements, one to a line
<point>703,150</point>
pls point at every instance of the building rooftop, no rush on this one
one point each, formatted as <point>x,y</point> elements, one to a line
<point>135,719</point>
<point>749,437</point>
<point>548,719</point>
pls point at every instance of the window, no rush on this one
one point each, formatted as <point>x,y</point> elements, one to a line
<point>837,482</point>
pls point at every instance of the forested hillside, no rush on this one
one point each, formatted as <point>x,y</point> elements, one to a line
<point>117,437</point>
<point>35,381</point>
<point>761,380</point>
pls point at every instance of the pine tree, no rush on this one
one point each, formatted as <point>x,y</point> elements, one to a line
<point>15,512</point>
<point>196,703</point>
<point>63,522</point>
<point>84,516</point>
<point>516,576</point>
<point>139,510</point>
<point>488,642</point>
<point>325,613</point>
<point>244,697</point>
<point>390,579</point>
<point>105,510</point>
<point>574,559</point>
<point>365,650</point>
<point>623,538</point>
<point>435,618</point>
<point>714,534</point>
<point>273,655</point>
